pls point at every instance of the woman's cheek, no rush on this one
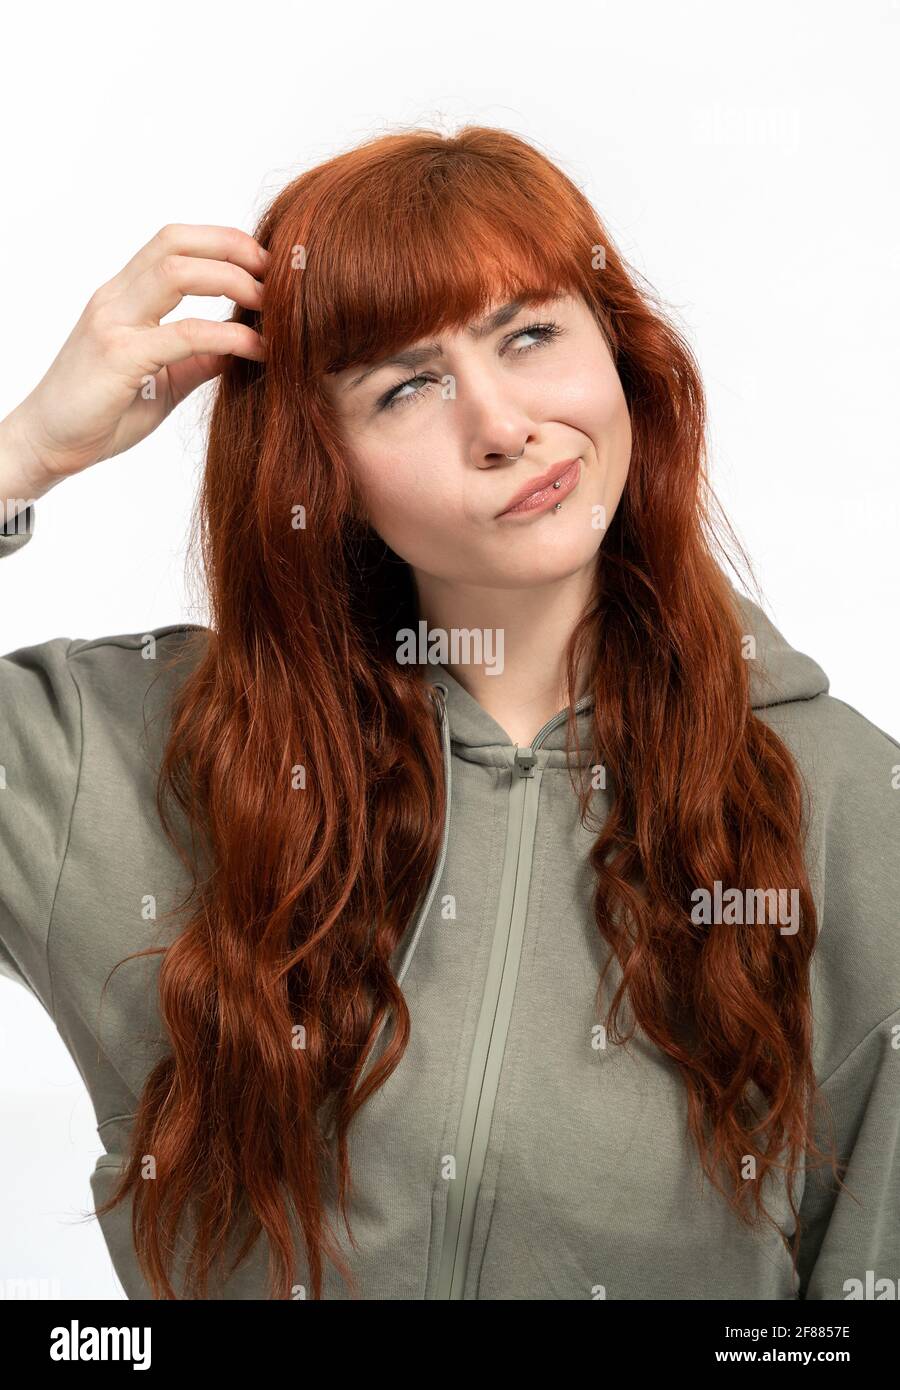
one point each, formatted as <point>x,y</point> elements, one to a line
<point>407,515</point>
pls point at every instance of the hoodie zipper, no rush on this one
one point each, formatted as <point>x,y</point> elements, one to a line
<point>485,1064</point>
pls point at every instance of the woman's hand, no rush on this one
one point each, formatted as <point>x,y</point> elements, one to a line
<point>120,372</point>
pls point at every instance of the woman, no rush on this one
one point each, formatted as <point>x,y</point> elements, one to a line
<point>368,875</point>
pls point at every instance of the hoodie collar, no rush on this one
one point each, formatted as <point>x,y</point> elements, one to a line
<point>779,673</point>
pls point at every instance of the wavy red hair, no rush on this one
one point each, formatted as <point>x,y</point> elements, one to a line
<point>307,893</point>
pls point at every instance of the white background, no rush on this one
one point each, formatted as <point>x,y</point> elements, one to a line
<point>743,157</point>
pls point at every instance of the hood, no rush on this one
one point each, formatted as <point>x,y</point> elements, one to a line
<point>779,673</point>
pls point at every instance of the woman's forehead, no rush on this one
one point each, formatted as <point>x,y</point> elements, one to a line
<point>494,317</point>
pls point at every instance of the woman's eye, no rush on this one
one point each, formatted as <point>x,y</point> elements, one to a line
<point>546,331</point>
<point>393,398</point>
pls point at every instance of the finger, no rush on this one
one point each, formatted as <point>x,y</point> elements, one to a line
<point>169,343</point>
<point>185,377</point>
<point>192,239</point>
<point>163,285</point>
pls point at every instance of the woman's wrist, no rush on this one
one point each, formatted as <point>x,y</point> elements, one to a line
<point>22,479</point>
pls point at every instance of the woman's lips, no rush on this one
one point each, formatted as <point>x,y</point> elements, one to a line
<point>550,495</point>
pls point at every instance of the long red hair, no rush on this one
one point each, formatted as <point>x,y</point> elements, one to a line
<point>305,891</point>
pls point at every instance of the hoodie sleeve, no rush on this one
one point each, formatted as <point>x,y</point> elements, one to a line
<point>40,752</point>
<point>850,1223</point>
<point>852,1232</point>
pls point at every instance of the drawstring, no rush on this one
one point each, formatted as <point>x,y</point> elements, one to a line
<point>438,693</point>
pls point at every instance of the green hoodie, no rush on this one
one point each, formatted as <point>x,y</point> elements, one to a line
<point>511,1155</point>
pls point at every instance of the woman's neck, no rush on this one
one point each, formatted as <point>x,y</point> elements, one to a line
<point>506,647</point>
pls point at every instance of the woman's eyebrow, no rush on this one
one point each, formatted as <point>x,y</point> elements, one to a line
<point>415,356</point>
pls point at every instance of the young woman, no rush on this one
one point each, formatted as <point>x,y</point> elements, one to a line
<point>490,903</point>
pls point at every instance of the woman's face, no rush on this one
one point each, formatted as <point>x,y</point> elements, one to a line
<point>429,438</point>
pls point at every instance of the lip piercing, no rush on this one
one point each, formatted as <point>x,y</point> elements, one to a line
<point>512,458</point>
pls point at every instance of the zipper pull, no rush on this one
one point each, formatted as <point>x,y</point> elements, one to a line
<point>524,760</point>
